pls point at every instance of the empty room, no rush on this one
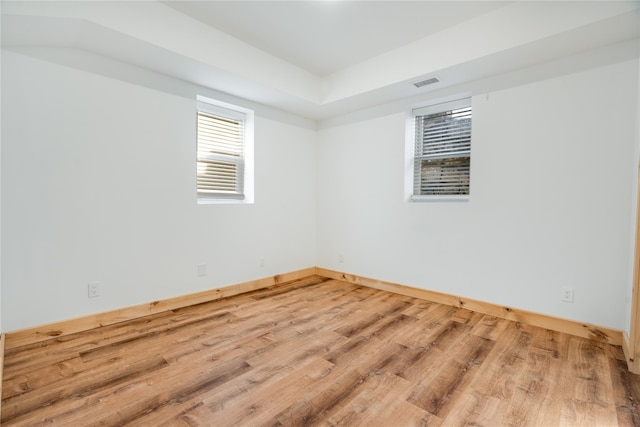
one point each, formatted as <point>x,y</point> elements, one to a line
<point>346,213</point>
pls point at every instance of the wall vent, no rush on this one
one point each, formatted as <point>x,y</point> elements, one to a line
<point>426,82</point>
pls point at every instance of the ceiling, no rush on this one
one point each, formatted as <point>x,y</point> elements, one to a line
<point>322,59</point>
<point>323,37</point>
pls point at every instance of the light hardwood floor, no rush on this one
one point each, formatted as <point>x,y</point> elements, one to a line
<point>319,352</point>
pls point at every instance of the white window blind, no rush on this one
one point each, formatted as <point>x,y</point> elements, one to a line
<point>442,159</point>
<point>220,153</point>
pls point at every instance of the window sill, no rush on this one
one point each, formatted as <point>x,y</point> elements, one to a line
<point>421,199</point>
<point>224,202</point>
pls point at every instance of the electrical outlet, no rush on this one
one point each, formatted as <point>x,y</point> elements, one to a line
<point>202,270</point>
<point>341,258</point>
<point>567,294</point>
<point>94,289</point>
<point>261,262</point>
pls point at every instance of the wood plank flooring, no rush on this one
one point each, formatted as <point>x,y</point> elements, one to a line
<point>319,352</point>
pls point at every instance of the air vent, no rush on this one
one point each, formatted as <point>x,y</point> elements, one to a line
<point>426,82</point>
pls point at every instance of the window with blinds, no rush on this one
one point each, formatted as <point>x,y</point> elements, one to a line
<point>442,157</point>
<point>220,152</point>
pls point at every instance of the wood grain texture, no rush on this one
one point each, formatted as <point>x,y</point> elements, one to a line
<point>632,345</point>
<point>44,332</point>
<point>58,329</point>
<point>2,342</point>
<point>318,351</point>
<point>585,330</point>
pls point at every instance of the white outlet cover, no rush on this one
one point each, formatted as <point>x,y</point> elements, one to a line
<point>202,270</point>
<point>567,294</point>
<point>94,289</point>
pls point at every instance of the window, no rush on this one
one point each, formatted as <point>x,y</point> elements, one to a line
<point>223,152</point>
<point>442,150</point>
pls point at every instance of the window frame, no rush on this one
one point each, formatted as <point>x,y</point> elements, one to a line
<point>245,163</point>
<point>411,175</point>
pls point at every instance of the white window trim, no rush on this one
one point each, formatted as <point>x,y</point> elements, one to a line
<point>410,129</point>
<point>214,106</point>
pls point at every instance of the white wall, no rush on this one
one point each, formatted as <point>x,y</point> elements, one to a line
<point>552,177</point>
<point>98,184</point>
<point>1,330</point>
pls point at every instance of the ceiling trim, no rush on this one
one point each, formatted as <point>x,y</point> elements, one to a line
<point>504,40</point>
